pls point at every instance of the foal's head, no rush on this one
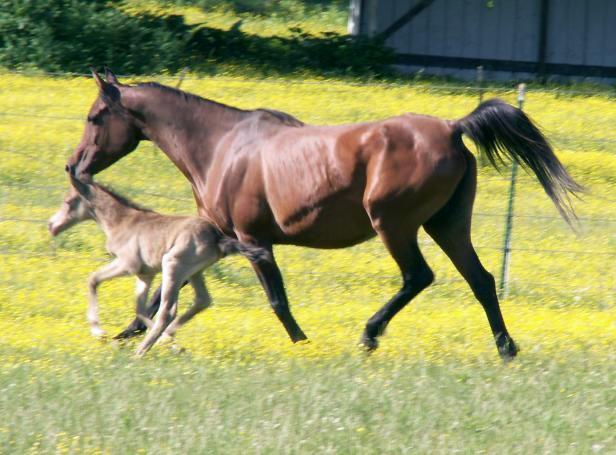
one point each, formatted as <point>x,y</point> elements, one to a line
<point>110,132</point>
<point>74,210</point>
<point>78,205</point>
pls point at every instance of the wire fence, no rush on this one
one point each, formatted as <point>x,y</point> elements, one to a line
<point>604,90</point>
<point>478,89</point>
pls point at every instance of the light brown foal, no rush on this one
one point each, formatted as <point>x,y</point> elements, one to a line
<point>144,243</point>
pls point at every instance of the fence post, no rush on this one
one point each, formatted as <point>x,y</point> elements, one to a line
<point>480,82</point>
<point>504,278</point>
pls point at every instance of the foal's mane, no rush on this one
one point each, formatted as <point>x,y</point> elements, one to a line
<point>121,199</point>
<point>282,117</point>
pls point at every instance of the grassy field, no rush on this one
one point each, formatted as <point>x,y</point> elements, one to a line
<point>436,385</point>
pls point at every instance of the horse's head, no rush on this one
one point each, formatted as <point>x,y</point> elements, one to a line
<point>110,132</point>
<point>76,206</point>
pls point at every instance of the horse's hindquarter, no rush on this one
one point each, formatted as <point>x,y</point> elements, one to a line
<point>413,167</point>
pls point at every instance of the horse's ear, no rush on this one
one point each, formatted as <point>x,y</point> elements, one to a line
<point>82,187</point>
<point>109,93</point>
<point>111,78</point>
<point>99,80</point>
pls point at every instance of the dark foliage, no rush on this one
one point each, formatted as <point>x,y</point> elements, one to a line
<point>70,35</point>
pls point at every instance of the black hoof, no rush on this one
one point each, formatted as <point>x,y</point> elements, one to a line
<point>136,328</point>
<point>369,343</point>
<point>299,337</point>
<point>507,348</point>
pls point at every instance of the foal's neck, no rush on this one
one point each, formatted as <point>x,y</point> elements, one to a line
<point>110,211</point>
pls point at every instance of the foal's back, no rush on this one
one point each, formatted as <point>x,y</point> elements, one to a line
<point>147,236</point>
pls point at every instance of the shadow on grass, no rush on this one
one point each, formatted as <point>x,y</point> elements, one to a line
<point>330,53</point>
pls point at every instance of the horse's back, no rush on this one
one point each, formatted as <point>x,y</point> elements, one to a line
<point>311,185</point>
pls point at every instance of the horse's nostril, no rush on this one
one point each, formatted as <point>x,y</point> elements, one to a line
<point>66,168</point>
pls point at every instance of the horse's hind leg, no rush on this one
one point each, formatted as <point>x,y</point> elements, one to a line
<point>461,252</point>
<point>416,276</point>
<point>451,230</point>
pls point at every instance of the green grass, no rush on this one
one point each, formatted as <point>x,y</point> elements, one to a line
<point>434,386</point>
<point>364,405</point>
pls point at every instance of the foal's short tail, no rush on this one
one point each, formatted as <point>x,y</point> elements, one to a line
<point>229,245</point>
<point>499,129</point>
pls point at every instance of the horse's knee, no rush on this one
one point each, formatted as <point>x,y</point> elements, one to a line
<point>418,280</point>
<point>485,288</point>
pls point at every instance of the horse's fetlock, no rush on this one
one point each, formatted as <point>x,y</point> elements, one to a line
<point>427,278</point>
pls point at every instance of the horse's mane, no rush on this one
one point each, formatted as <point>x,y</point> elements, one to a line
<point>185,96</point>
<point>121,199</point>
<point>282,117</point>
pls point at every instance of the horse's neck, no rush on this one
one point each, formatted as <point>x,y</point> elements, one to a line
<point>187,129</point>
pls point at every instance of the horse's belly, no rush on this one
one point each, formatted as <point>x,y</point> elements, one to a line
<point>330,225</point>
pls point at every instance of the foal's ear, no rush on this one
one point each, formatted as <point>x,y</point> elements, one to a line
<point>111,78</point>
<point>82,187</point>
<point>107,91</point>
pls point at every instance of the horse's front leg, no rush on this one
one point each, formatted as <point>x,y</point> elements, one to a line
<point>271,279</point>
<point>107,272</point>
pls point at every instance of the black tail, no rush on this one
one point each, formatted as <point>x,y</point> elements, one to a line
<point>499,129</point>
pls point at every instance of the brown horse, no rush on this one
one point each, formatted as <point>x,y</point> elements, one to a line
<point>266,178</point>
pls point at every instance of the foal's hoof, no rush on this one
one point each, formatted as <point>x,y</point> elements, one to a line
<point>175,349</point>
<point>507,348</point>
<point>165,340</point>
<point>140,352</point>
<point>98,333</point>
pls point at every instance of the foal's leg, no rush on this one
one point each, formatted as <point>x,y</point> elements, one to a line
<point>107,272</point>
<point>202,301</point>
<point>271,279</point>
<point>143,287</point>
<point>416,276</point>
<point>172,278</point>
<point>137,326</point>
